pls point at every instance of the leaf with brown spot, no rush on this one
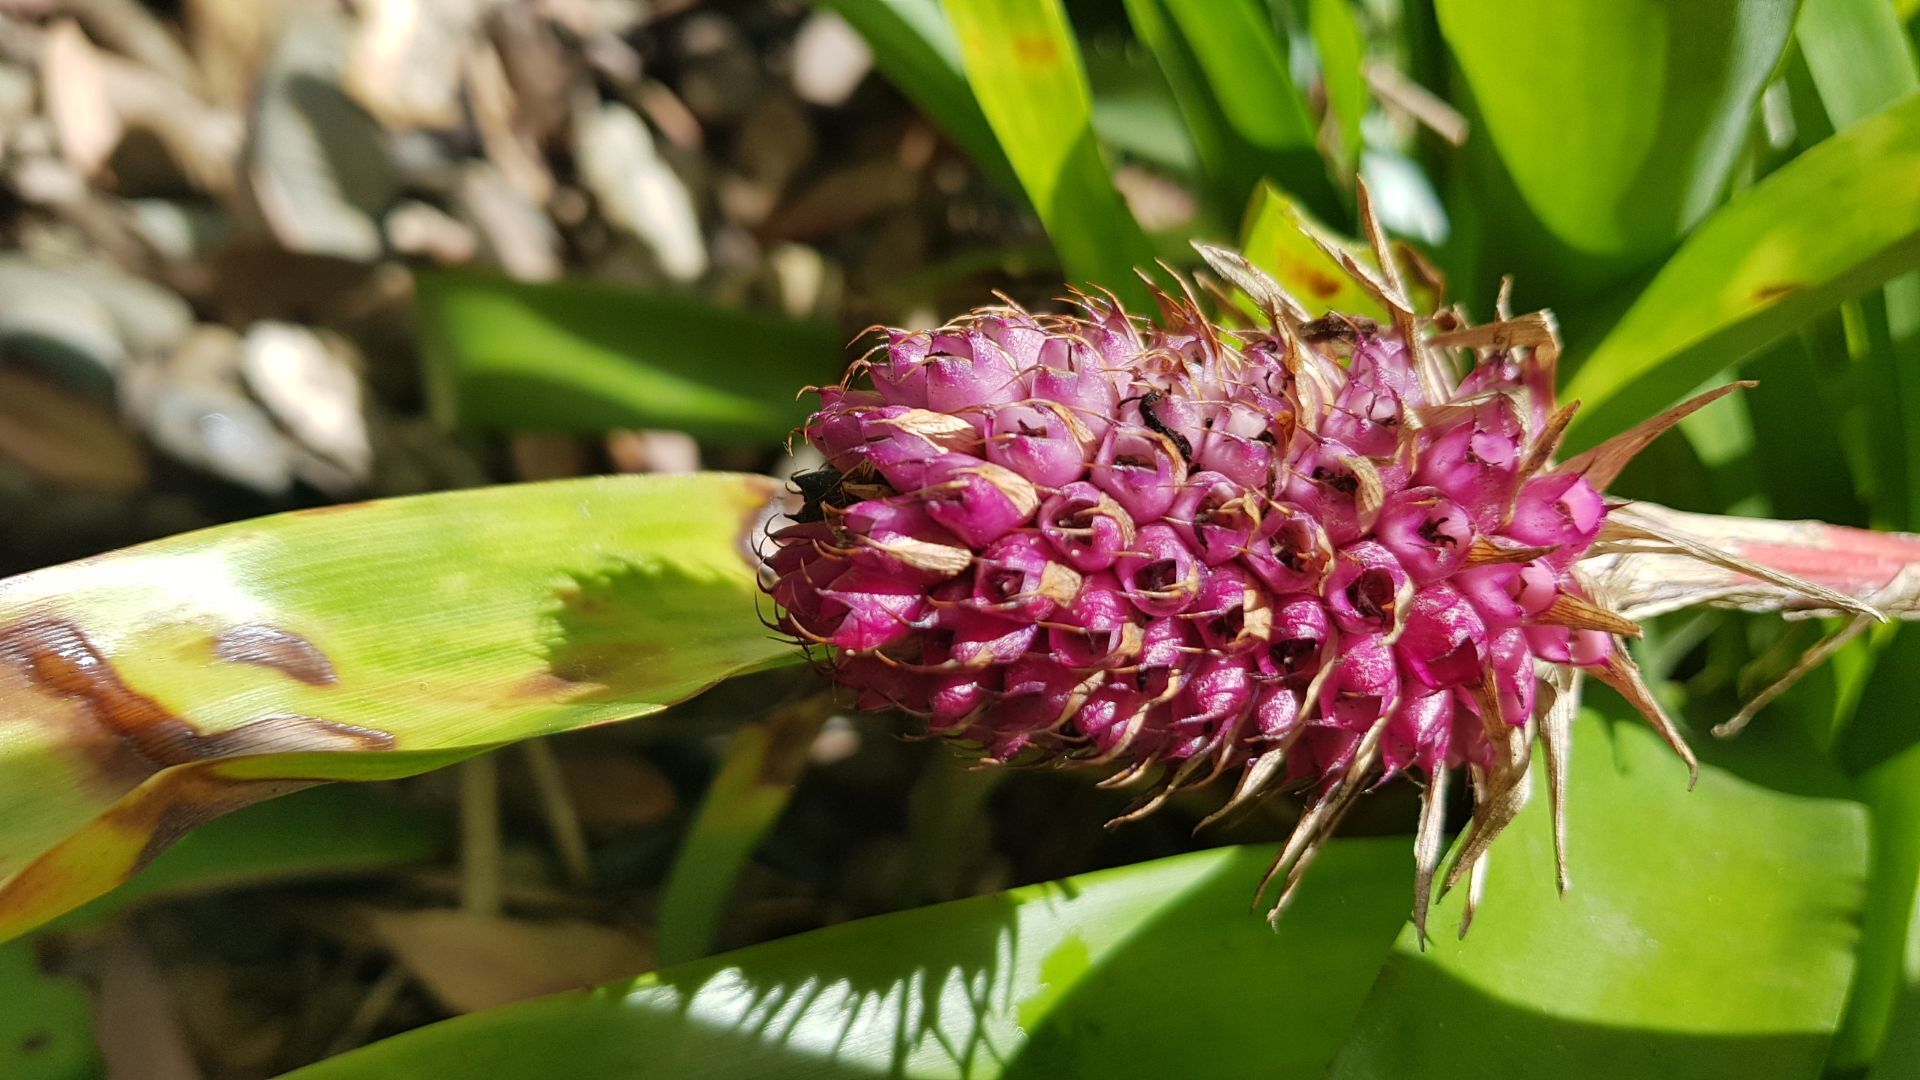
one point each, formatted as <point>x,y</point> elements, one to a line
<point>1836,221</point>
<point>1274,241</point>
<point>145,692</point>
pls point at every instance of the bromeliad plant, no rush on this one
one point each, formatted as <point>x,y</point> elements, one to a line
<point>1312,547</point>
<point>1315,554</point>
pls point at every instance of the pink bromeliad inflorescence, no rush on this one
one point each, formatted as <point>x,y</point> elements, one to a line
<point>1315,553</point>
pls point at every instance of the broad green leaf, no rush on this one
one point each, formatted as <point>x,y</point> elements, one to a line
<point>581,357</point>
<point>1154,970</point>
<point>1835,221</point>
<point>1024,67</point>
<point>149,690</point>
<point>1273,241</point>
<point>1708,933</point>
<point>915,48</point>
<point>1616,123</point>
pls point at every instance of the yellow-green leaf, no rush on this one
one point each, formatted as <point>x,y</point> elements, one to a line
<point>1708,933</point>
<point>1832,223</point>
<point>149,690</point>
<point>1274,242</point>
<point>1025,69</point>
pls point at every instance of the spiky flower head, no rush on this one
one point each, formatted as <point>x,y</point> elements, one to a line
<point>1315,553</point>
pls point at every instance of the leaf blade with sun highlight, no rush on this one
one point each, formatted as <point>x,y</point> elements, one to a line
<point>1118,973</point>
<point>1830,224</point>
<point>145,691</point>
<point>1718,944</point>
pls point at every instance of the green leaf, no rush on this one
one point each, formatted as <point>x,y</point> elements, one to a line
<point>1900,1058</point>
<point>1150,970</point>
<point>1024,67</point>
<point>1274,242</point>
<point>1859,59</point>
<point>1228,68</point>
<point>1133,110</point>
<point>1832,223</point>
<point>46,1029</point>
<point>580,357</point>
<point>1225,166</point>
<point>149,690</point>
<point>914,47</point>
<point>1889,933</point>
<point>757,775</point>
<point>1244,62</point>
<point>1802,478</point>
<point>1882,746</point>
<point>1708,933</point>
<point>1342,46</point>
<point>1615,123</point>
<point>1883,333</point>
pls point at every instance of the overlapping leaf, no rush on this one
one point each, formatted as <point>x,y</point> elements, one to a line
<point>1149,970</point>
<point>1273,240</point>
<point>1019,54</point>
<point>146,691</point>
<point>1834,222</point>
<point>1614,124</point>
<point>1709,933</point>
<point>1228,69</point>
<point>503,355</point>
<point>914,46</point>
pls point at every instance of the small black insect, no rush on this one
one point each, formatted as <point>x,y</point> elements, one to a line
<point>1150,401</point>
<point>818,488</point>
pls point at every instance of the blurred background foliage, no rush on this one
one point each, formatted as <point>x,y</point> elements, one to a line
<point>273,254</point>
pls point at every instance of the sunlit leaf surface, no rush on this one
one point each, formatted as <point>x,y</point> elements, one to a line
<point>1709,933</point>
<point>1150,970</point>
<point>147,691</point>
<point>1834,222</point>
<point>1272,241</point>
<point>1022,52</point>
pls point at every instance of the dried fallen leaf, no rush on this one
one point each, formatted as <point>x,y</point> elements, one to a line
<point>473,962</point>
<point>66,438</point>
